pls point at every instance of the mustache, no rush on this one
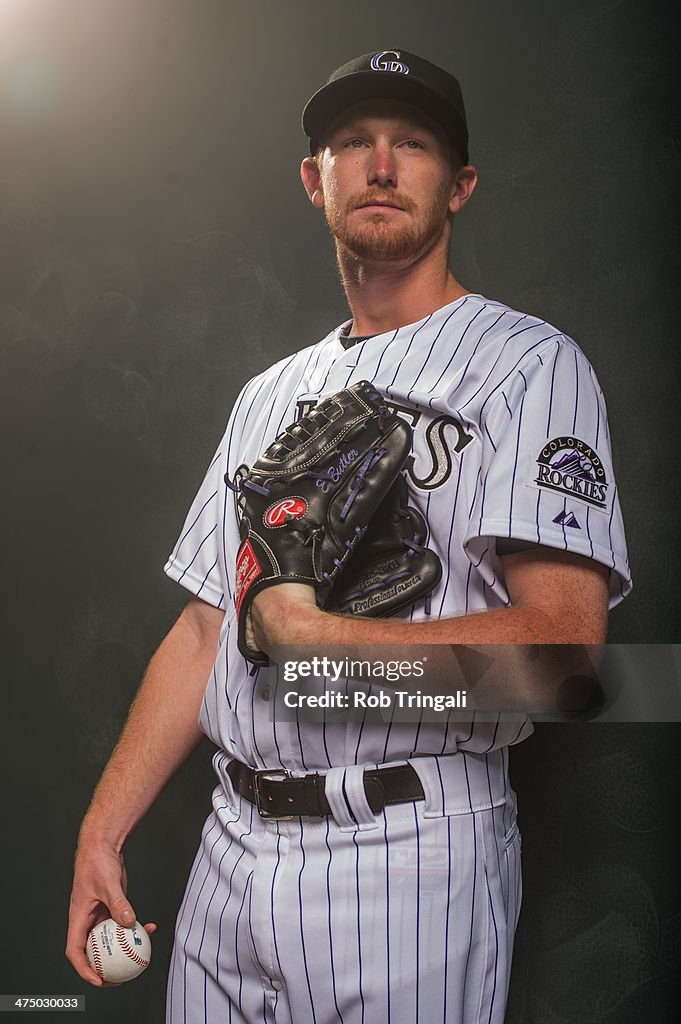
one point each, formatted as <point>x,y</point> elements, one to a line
<point>390,196</point>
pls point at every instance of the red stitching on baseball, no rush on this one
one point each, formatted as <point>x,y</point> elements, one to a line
<point>96,956</point>
<point>127,948</point>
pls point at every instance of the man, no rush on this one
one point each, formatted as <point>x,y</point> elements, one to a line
<point>348,912</point>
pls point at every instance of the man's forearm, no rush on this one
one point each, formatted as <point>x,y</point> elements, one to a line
<point>297,622</point>
<point>540,658</point>
<point>161,732</point>
<point>556,598</point>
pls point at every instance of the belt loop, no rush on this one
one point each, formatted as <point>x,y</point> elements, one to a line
<point>427,770</point>
<point>351,812</point>
<point>356,796</point>
<point>333,790</point>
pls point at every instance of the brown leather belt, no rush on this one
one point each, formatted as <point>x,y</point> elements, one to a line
<point>277,794</point>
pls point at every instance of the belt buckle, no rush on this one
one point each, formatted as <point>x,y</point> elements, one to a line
<point>261,773</point>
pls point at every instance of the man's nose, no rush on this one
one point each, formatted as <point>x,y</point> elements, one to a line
<point>382,168</point>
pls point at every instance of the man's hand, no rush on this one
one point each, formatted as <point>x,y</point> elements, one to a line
<point>99,891</point>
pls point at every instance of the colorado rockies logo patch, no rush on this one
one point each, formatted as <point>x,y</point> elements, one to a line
<point>573,468</point>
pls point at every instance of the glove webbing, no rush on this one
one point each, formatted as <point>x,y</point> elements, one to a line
<point>303,431</point>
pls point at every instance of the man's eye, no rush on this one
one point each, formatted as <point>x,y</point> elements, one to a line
<point>413,144</point>
<point>355,143</point>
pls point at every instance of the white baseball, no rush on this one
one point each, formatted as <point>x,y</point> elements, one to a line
<point>116,953</point>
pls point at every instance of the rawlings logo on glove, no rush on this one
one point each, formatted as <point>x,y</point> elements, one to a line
<point>283,511</point>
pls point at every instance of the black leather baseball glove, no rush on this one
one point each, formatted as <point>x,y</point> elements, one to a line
<point>391,567</point>
<point>308,499</point>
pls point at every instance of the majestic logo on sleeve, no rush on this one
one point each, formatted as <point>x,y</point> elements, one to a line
<point>572,467</point>
<point>567,519</point>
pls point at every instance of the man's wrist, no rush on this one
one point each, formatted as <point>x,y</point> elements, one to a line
<point>93,836</point>
<point>286,613</point>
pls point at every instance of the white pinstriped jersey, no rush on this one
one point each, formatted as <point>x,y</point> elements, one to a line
<point>510,441</point>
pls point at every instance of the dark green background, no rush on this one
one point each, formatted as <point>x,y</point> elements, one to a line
<point>156,251</point>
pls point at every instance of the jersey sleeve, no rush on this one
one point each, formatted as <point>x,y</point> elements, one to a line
<point>546,469</point>
<point>195,559</point>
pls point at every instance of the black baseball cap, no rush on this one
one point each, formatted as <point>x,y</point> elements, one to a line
<point>390,74</point>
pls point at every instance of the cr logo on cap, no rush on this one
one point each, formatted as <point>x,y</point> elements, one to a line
<point>379,63</point>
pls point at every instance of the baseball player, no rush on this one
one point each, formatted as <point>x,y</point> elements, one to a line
<point>351,908</point>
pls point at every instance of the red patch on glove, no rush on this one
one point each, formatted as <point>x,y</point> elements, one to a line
<point>247,572</point>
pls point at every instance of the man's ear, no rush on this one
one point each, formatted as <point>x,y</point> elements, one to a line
<point>463,187</point>
<point>311,179</point>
